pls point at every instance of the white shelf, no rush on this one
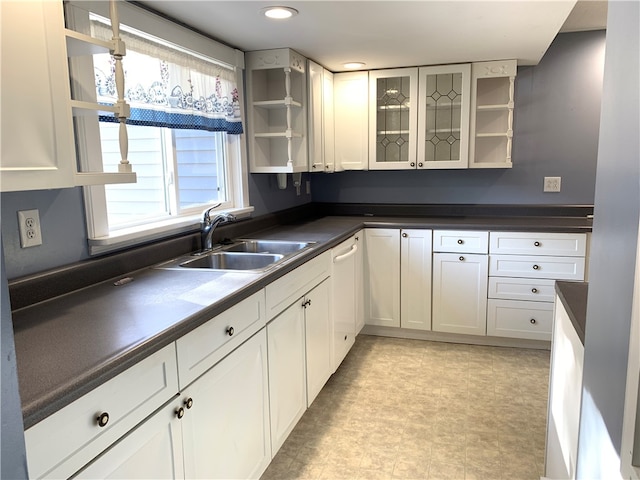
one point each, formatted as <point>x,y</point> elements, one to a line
<point>80,44</point>
<point>492,107</point>
<point>81,108</point>
<point>276,104</point>
<point>278,135</point>
<point>280,169</point>
<point>393,107</point>
<point>489,135</point>
<point>393,132</point>
<point>444,130</point>
<point>103,178</point>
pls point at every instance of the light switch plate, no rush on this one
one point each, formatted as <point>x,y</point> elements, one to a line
<point>29,226</point>
<point>552,184</point>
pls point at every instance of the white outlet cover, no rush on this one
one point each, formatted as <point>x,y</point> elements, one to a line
<point>29,226</point>
<point>552,184</point>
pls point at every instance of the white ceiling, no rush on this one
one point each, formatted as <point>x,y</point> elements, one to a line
<point>386,34</point>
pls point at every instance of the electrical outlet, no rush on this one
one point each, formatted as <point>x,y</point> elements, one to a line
<point>308,187</point>
<point>29,226</point>
<point>552,184</point>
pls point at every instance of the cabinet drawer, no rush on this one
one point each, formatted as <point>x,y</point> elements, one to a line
<point>61,444</point>
<point>519,243</point>
<point>284,291</point>
<point>461,241</point>
<point>558,268</point>
<point>203,347</point>
<point>535,289</point>
<point>515,319</point>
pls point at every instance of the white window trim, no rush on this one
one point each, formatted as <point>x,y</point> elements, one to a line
<point>99,238</point>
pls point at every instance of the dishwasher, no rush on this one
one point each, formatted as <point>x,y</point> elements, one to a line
<point>343,277</point>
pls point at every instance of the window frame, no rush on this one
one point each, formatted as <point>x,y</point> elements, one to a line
<point>99,238</point>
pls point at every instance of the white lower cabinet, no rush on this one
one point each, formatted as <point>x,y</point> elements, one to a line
<point>519,319</point>
<point>382,274</point>
<point>415,279</point>
<point>319,339</point>
<point>460,293</point>
<point>153,451</point>
<point>287,373</point>
<point>62,444</point>
<point>226,430</point>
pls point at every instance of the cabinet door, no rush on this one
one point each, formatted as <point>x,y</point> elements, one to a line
<point>226,432</point>
<point>351,120</point>
<point>460,293</point>
<point>415,278</point>
<point>287,373</point>
<point>153,450</point>
<point>37,131</point>
<point>319,339</point>
<point>343,282</point>
<point>321,132</point>
<point>393,119</point>
<point>492,103</point>
<point>443,116</point>
<point>382,276</point>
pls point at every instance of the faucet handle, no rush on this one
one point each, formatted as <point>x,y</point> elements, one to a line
<point>206,215</point>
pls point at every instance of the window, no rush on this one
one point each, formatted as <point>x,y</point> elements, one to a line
<point>183,133</point>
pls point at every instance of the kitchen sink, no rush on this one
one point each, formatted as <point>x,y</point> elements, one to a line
<point>278,247</point>
<point>233,261</point>
<point>241,255</point>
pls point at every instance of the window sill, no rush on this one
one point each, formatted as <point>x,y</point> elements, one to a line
<point>146,233</point>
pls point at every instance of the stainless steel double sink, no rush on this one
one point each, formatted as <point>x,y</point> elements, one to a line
<point>242,255</point>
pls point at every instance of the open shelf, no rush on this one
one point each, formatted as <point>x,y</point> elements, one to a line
<point>79,44</point>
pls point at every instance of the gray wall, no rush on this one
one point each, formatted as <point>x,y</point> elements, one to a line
<point>13,459</point>
<point>613,249</point>
<point>556,123</point>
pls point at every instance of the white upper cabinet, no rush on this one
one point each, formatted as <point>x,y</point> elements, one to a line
<point>443,116</point>
<point>37,130</point>
<point>393,120</point>
<point>38,146</point>
<point>321,131</point>
<point>351,120</point>
<point>277,105</point>
<point>492,93</point>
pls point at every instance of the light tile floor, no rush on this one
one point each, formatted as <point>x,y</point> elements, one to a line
<point>412,409</point>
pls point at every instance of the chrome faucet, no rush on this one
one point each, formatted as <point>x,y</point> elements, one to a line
<point>209,224</point>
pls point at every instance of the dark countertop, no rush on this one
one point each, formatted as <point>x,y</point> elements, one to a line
<point>573,296</point>
<point>70,344</point>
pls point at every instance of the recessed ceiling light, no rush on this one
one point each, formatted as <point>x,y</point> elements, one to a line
<point>354,65</point>
<point>279,13</point>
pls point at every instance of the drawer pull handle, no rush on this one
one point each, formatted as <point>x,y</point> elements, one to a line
<point>534,290</point>
<point>103,419</point>
<point>461,258</point>
<point>179,412</point>
<point>188,403</point>
<point>460,241</point>
<point>536,267</point>
<point>405,235</point>
<point>532,321</point>
<point>230,331</point>
<point>536,243</point>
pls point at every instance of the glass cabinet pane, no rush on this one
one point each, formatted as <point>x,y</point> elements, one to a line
<point>392,119</point>
<point>443,97</point>
<point>393,115</point>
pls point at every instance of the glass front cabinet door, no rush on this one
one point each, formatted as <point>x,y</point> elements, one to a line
<point>443,116</point>
<point>393,118</point>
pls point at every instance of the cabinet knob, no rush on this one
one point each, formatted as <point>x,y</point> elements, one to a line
<point>230,331</point>
<point>345,338</point>
<point>180,412</point>
<point>405,235</point>
<point>536,267</point>
<point>532,321</point>
<point>460,241</point>
<point>306,303</point>
<point>188,403</point>
<point>103,419</point>
<point>461,258</point>
<point>420,165</point>
<point>357,239</point>
<point>413,164</point>
<point>534,290</point>
<point>536,243</point>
